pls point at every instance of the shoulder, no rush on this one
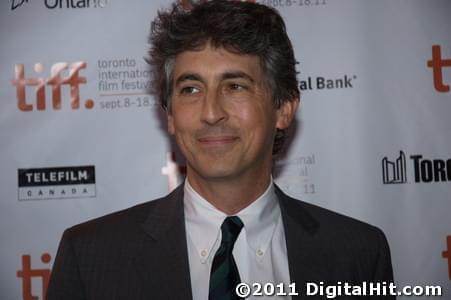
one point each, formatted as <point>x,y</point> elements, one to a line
<point>119,219</point>
<point>159,208</point>
<point>103,232</point>
<point>330,225</point>
<point>127,224</point>
<point>335,246</point>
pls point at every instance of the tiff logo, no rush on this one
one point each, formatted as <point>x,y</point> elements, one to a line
<point>394,172</point>
<point>447,254</point>
<point>73,80</point>
<point>27,274</point>
<point>437,63</point>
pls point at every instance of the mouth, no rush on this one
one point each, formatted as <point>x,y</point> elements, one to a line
<point>217,140</point>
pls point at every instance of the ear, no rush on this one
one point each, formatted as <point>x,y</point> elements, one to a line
<point>171,128</point>
<point>286,112</point>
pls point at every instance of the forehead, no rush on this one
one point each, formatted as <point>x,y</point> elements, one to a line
<point>212,62</point>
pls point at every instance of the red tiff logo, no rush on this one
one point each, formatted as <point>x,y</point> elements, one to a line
<point>56,81</point>
<point>27,274</point>
<point>437,63</point>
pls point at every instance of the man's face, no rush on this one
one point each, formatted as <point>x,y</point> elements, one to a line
<point>222,115</point>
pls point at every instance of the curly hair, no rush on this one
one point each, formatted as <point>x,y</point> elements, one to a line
<point>239,27</point>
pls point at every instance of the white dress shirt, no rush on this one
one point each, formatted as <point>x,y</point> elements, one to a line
<point>260,250</point>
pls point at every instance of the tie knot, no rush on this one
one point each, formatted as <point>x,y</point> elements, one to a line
<point>230,229</point>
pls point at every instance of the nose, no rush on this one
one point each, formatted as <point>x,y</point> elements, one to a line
<point>213,111</point>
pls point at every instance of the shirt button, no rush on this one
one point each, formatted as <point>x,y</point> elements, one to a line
<point>203,253</point>
<point>259,252</point>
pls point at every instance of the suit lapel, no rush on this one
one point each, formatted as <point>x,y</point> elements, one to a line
<point>302,242</point>
<point>166,244</point>
<point>166,249</point>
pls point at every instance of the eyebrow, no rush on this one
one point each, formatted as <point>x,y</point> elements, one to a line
<point>223,76</point>
<point>188,76</point>
<point>236,74</point>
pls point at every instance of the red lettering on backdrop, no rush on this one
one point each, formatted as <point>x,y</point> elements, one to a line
<point>73,80</point>
<point>437,64</point>
<point>27,273</point>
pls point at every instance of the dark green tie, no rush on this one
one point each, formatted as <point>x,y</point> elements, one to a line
<point>224,275</point>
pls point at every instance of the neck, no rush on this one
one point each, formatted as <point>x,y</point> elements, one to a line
<point>231,195</point>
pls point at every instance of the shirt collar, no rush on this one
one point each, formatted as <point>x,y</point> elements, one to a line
<point>203,221</point>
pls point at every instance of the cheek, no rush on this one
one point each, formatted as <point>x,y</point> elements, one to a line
<point>180,121</point>
<point>258,118</point>
<point>258,125</point>
<point>183,129</point>
<point>248,113</point>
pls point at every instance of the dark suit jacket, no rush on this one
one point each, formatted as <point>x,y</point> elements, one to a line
<point>141,252</point>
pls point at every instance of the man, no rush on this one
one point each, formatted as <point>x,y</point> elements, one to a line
<point>225,73</point>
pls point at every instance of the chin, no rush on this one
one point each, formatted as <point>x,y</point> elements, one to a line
<point>214,171</point>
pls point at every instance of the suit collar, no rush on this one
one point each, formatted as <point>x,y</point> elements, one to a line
<point>167,213</point>
<point>294,214</point>
<point>165,225</point>
<point>301,235</point>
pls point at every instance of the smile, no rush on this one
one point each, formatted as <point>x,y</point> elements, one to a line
<point>217,140</point>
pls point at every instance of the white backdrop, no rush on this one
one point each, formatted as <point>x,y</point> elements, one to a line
<point>372,89</point>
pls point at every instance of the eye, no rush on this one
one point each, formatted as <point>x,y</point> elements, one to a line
<point>236,87</point>
<point>189,90</point>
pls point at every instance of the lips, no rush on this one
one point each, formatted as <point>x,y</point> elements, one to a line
<point>217,140</point>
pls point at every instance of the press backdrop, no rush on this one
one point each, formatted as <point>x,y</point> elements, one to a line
<point>81,137</point>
